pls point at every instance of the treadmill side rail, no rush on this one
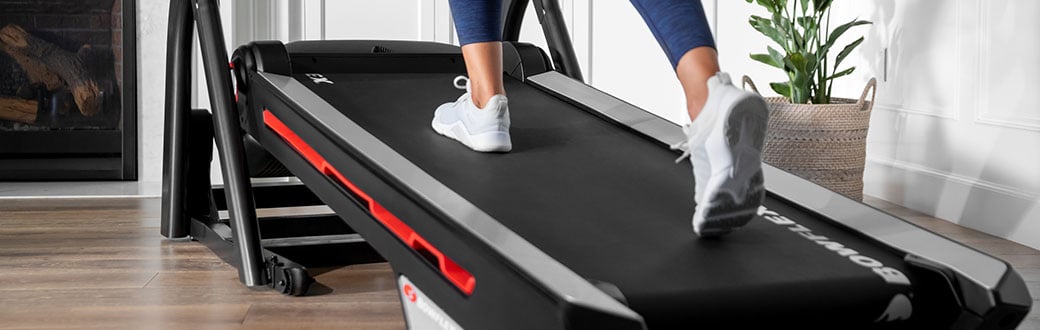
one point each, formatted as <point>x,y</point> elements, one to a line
<point>983,278</point>
<point>460,277</point>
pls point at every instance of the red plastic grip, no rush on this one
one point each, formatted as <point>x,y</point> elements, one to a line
<point>455,274</point>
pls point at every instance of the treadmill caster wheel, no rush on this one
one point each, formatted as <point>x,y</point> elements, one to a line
<point>290,281</point>
<point>295,282</point>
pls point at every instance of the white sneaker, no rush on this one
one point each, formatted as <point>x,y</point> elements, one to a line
<point>724,145</point>
<point>484,130</point>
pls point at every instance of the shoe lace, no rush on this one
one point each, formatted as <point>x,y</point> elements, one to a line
<point>683,145</point>
<point>685,149</point>
<point>461,82</point>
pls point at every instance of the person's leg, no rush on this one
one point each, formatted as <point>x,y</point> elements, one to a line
<point>478,23</point>
<point>681,28</point>
<point>480,118</point>
<point>484,66</point>
<point>693,71</point>
<point>724,140</point>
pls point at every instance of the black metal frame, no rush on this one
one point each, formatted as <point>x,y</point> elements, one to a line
<point>184,16</point>
<point>553,26</point>
<point>190,203</point>
<point>83,155</point>
<point>130,89</point>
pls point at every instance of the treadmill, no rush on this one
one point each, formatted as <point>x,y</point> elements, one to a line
<point>584,225</point>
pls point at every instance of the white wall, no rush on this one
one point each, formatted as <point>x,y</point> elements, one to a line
<point>958,132</point>
<point>151,73</point>
<point>954,133</point>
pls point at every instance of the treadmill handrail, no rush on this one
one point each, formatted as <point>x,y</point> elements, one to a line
<point>554,28</point>
<point>533,262</point>
<point>973,265</point>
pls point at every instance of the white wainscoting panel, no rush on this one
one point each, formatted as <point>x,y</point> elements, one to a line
<point>362,19</point>
<point>1009,69</point>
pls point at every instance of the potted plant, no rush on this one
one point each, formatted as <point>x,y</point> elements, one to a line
<point>812,134</point>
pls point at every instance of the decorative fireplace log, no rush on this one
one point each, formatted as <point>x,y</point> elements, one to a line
<point>22,111</point>
<point>44,63</point>
<point>36,70</point>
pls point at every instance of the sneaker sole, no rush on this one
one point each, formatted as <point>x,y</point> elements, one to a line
<point>737,199</point>
<point>484,142</point>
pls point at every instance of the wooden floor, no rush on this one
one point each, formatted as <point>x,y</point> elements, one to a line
<point>102,264</point>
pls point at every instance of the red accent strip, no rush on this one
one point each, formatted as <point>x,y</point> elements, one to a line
<point>451,270</point>
<point>231,66</point>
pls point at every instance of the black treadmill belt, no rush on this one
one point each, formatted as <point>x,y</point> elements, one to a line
<point>613,206</point>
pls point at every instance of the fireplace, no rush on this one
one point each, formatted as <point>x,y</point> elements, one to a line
<point>68,90</point>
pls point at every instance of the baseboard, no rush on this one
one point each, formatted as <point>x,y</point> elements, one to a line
<point>995,209</point>
<point>83,189</point>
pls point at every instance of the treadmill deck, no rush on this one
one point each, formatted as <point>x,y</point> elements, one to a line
<point>613,206</point>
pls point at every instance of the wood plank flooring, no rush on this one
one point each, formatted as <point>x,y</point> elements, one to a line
<point>100,263</point>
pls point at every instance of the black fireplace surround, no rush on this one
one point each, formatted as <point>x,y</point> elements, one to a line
<point>68,95</point>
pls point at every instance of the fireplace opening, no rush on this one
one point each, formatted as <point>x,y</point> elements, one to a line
<point>66,93</point>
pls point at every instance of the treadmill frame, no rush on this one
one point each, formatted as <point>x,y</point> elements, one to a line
<point>990,291</point>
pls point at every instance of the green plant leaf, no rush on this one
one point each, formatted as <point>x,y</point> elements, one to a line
<point>795,65</point>
<point>811,64</point>
<point>842,73</point>
<point>777,56</point>
<point>807,22</point>
<point>837,32</point>
<point>784,26</point>
<point>756,20</point>
<point>789,65</point>
<point>846,51</point>
<point>821,5</point>
<point>768,60</point>
<point>800,91</point>
<point>799,61</point>
<point>765,27</point>
<point>782,89</point>
<point>805,6</point>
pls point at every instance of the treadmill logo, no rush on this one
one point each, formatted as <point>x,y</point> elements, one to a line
<point>890,275</point>
<point>433,313</point>
<point>899,309</point>
<point>409,292</point>
<point>319,79</point>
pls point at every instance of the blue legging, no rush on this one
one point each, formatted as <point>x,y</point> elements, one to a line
<point>678,25</point>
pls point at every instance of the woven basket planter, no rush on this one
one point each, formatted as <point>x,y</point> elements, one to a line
<point>824,143</point>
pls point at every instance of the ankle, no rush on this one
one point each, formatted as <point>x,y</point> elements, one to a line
<point>694,107</point>
<point>481,98</point>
